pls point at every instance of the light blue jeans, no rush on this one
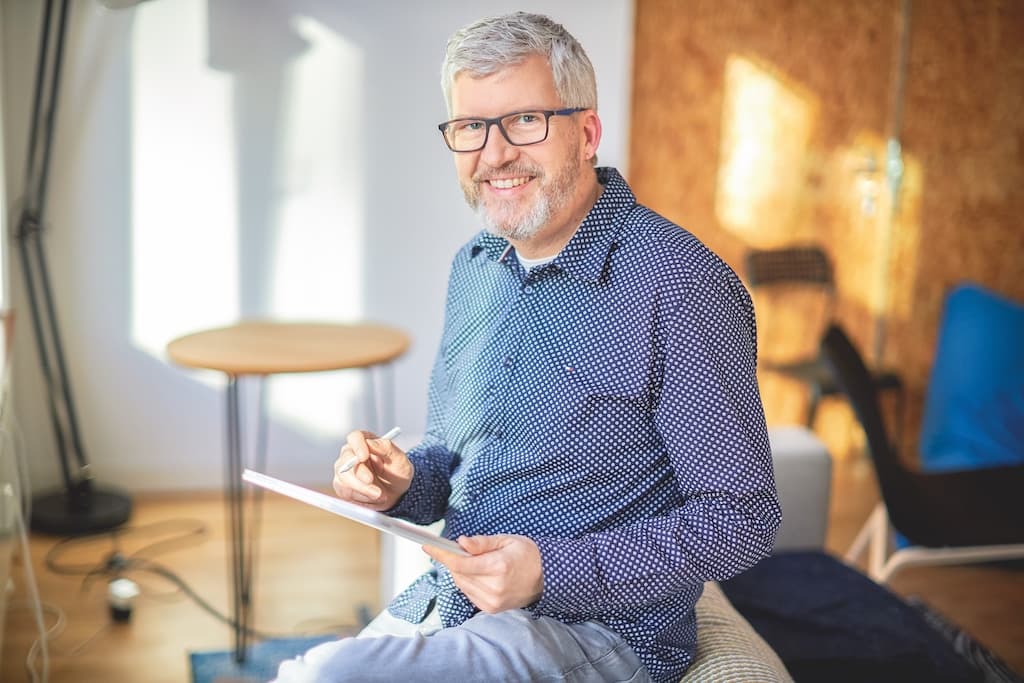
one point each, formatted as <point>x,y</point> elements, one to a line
<point>509,646</point>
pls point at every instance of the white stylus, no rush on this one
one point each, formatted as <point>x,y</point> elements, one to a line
<point>354,461</point>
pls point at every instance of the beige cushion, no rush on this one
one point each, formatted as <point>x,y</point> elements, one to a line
<point>728,648</point>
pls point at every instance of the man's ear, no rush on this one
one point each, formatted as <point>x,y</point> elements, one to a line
<point>591,134</point>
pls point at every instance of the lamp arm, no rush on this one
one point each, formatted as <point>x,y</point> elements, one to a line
<point>33,261</point>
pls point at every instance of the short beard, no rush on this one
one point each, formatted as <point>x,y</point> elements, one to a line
<point>503,224</point>
<point>555,196</point>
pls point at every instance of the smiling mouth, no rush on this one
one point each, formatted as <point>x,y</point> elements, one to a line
<point>508,183</point>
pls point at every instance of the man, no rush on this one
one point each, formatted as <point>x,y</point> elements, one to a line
<point>595,437</point>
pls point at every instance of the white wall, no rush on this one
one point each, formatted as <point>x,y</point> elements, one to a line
<point>238,160</point>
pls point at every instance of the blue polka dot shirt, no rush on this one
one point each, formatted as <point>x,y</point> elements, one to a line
<point>605,405</point>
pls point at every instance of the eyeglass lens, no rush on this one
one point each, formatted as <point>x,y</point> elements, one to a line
<point>523,128</point>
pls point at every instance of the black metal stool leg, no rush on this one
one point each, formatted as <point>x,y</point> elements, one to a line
<point>388,395</point>
<point>236,521</point>
<point>813,399</point>
<point>256,510</point>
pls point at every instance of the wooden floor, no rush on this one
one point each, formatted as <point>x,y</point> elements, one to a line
<point>315,572</point>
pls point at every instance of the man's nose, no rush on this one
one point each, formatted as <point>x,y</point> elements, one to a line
<point>497,151</point>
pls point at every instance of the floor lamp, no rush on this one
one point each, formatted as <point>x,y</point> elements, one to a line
<point>80,507</point>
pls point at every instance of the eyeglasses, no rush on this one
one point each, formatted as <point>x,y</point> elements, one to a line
<point>519,128</point>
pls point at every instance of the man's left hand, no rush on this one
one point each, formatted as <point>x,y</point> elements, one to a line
<point>503,572</point>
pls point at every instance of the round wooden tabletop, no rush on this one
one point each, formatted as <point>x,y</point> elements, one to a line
<point>269,347</point>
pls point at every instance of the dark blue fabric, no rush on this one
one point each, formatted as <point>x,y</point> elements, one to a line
<point>974,406</point>
<point>828,622</point>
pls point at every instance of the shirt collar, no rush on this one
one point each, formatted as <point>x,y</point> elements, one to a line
<point>588,250</point>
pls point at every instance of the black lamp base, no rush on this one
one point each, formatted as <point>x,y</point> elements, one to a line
<point>58,514</point>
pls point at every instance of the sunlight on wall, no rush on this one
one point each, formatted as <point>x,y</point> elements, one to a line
<point>184,217</point>
<point>318,253</point>
<point>766,125</point>
<point>763,197</point>
<point>187,187</point>
<point>881,279</point>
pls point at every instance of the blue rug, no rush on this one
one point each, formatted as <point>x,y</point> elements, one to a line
<point>261,661</point>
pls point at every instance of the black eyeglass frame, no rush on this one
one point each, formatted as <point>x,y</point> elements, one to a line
<point>496,121</point>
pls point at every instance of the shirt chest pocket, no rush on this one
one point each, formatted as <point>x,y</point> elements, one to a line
<point>602,405</point>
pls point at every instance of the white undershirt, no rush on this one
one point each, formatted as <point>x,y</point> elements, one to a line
<point>529,263</point>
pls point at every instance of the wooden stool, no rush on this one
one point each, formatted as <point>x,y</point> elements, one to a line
<point>260,349</point>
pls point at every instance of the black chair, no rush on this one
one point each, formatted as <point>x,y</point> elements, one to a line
<point>808,267</point>
<point>949,517</point>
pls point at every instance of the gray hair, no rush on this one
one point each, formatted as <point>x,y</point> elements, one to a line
<point>491,44</point>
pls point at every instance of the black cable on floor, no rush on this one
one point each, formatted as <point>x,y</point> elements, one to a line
<point>117,564</point>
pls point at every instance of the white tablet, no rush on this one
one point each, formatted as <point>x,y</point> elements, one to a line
<point>398,527</point>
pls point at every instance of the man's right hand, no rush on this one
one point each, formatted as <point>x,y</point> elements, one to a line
<point>381,476</point>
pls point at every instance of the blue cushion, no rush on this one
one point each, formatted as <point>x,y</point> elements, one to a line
<point>974,406</point>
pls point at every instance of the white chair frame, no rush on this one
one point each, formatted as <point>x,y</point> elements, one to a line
<point>877,537</point>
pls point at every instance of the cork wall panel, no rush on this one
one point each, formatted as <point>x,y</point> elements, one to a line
<point>760,124</point>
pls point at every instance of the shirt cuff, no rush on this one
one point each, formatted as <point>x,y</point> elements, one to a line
<point>570,587</point>
<point>425,496</point>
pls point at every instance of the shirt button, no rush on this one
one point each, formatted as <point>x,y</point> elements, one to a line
<point>498,432</point>
<point>528,289</point>
<point>508,361</point>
